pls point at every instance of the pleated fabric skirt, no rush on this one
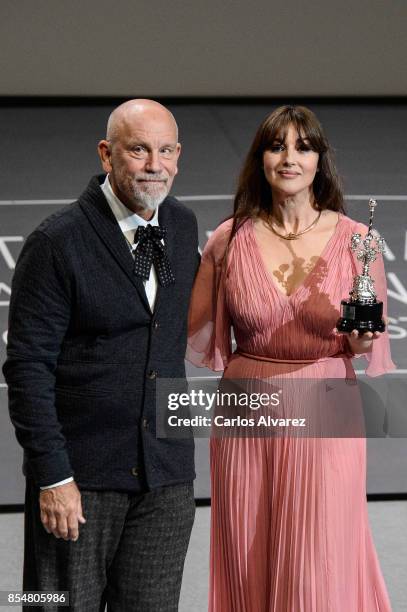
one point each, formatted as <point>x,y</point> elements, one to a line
<point>289,528</point>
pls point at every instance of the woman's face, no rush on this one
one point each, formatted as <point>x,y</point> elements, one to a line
<point>290,164</point>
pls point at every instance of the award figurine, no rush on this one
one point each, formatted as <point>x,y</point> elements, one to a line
<point>362,311</point>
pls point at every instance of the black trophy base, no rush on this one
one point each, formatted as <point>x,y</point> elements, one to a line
<point>363,317</point>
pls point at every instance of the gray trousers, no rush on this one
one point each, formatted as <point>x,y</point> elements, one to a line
<point>130,553</point>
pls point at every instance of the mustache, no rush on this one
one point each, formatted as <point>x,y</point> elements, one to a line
<point>151,177</point>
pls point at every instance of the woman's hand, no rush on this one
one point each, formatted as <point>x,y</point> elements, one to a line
<point>360,343</point>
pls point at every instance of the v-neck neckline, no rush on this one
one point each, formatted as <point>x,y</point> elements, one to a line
<point>310,273</point>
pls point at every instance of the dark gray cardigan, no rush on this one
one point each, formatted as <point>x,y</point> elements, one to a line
<point>84,349</point>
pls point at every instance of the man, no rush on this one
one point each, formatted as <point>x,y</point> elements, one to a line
<point>98,312</point>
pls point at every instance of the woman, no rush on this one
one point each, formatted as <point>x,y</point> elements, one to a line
<point>289,529</point>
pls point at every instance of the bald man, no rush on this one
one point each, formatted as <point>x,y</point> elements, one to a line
<point>98,313</point>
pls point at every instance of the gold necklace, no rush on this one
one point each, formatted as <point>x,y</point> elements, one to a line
<point>291,235</point>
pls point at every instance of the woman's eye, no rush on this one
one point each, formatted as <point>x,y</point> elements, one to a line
<point>275,148</point>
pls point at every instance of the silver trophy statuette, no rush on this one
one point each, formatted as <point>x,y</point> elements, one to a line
<point>362,311</point>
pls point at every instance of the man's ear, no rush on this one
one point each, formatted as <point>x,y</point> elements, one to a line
<point>177,153</point>
<point>104,151</point>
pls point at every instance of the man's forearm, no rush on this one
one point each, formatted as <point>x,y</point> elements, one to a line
<point>40,310</point>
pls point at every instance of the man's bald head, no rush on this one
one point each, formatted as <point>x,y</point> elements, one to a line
<point>140,154</point>
<point>138,111</point>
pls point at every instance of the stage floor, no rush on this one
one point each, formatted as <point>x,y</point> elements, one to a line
<point>388,520</point>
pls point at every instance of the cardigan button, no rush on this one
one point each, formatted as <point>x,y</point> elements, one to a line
<point>156,325</point>
<point>152,374</point>
<point>145,423</point>
<point>134,471</point>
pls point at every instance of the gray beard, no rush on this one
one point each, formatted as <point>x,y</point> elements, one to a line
<point>149,200</point>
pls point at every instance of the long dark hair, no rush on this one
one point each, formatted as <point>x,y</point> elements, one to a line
<point>253,195</point>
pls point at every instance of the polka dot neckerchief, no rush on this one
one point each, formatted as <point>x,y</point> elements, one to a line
<point>150,250</point>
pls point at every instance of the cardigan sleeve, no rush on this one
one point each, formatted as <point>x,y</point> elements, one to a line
<point>38,320</point>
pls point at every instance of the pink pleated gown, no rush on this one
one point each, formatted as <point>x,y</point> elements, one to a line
<point>289,526</point>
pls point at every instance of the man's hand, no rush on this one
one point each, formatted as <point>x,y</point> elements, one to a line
<point>61,511</point>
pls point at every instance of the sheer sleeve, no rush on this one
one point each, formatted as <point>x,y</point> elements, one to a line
<point>209,334</point>
<point>379,359</point>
